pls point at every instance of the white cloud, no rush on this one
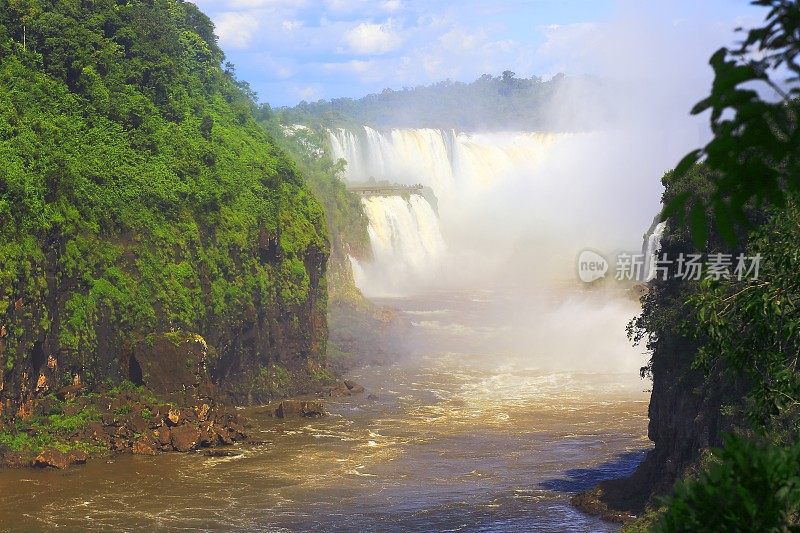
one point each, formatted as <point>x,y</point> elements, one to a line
<point>372,39</point>
<point>460,39</point>
<point>308,93</point>
<point>236,30</point>
<point>290,25</point>
<point>392,5</point>
<point>275,4</point>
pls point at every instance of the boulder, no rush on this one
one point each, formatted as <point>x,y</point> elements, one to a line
<point>185,438</point>
<point>300,408</point>
<point>53,458</point>
<point>164,436</point>
<point>222,453</point>
<point>339,390</point>
<point>144,446</point>
<point>77,457</point>
<point>67,393</point>
<point>223,437</point>
<point>173,417</point>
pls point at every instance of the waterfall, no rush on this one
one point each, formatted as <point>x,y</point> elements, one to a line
<point>407,245</point>
<point>651,249</point>
<point>445,160</point>
<point>491,188</point>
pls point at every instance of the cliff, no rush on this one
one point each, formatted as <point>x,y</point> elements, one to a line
<point>139,196</point>
<point>691,406</point>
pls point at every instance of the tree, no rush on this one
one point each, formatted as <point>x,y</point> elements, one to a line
<point>27,11</point>
<point>754,120</point>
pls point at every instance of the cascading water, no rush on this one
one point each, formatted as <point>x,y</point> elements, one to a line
<point>407,245</point>
<point>442,159</point>
<point>471,174</point>
<point>651,249</point>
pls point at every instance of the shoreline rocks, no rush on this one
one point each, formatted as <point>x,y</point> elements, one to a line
<point>54,458</point>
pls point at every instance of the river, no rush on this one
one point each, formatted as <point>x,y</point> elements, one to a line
<point>470,431</point>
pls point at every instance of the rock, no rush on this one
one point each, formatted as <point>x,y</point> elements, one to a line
<point>171,363</point>
<point>164,436</point>
<point>339,390</point>
<point>174,416</point>
<point>144,446</point>
<point>236,431</point>
<point>77,457</point>
<point>300,408</point>
<point>94,431</point>
<point>353,387</point>
<point>67,393</point>
<point>202,412</point>
<point>372,397</point>
<point>223,437</point>
<point>138,424</point>
<point>222,453</point>
<point>185,438</point>
<point>53,458</point>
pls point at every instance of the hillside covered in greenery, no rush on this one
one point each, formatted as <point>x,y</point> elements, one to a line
<point>502,102</point>
<point>139,195</point>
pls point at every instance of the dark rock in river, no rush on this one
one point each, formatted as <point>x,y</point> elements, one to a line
<point>354,387</point>
<point>300,408</point>
<point>344,388</point>
<point>222,453</point>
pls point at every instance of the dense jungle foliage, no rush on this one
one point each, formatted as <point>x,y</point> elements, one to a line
<point>136,184</point>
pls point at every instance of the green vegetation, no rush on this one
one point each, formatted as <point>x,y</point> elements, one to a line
<point>749,487</point>
<point>347,223</point>
<point>76,421</point>
<point>137,191</point>
<point>730,347</point>
<point>490,102</point>
<point>754,147</point>
<point>54,425</point>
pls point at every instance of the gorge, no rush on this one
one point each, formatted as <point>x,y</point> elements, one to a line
<point>368,313</point>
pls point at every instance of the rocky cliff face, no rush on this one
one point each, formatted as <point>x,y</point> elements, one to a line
<point>691,408</point>
<point>270,333</point>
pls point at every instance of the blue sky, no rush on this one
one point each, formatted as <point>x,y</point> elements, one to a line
<point>292,50</point>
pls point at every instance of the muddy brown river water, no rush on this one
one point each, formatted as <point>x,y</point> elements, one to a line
<point>469,432</point>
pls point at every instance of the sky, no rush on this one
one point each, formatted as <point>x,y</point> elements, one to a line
<point>293,50</point>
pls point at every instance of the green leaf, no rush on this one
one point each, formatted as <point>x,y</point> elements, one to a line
<point>724,222</point>
<point>698,224</point>
<point>674,208</point>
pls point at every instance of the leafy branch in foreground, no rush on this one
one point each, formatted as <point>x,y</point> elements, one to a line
<point>754,145</point>
<point>748,487</point>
